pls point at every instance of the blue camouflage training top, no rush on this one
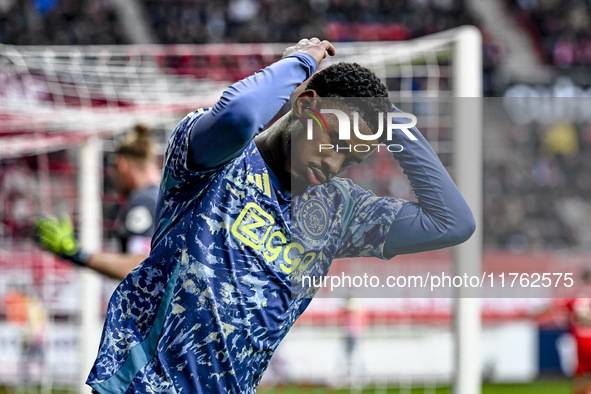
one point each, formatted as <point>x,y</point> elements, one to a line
<point>220,290</point>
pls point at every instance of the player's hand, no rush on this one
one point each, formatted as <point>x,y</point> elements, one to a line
<point>313,47</point>
<point>57,236</point>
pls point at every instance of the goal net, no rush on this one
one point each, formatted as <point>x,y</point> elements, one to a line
<point>62,110</point>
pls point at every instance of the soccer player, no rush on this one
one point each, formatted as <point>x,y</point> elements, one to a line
<point>580,322</point>
<point>577,312</point>
<point>579,316</point>
<point>137,176</point>
<point>207,309</point>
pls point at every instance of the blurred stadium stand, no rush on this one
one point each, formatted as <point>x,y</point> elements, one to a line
<point>247,21</point>
<point>88,22</point>
<point>561,29</point>
<point>65,22</point>
<point>284,21</point>
<point>538,197</point>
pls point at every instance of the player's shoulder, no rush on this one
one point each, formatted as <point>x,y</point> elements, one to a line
<point>338,189</point>
<point>185,124</point>
<point>343,182</point>
<point>198,112</point>
<point>349,188</point>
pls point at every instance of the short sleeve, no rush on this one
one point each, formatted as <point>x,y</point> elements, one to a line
<point>364,233</point>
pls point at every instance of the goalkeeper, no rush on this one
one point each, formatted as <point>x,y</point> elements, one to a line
<point>137,176</point>
<point>206,310</point>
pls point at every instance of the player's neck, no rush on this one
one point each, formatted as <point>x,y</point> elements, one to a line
<point>273,146</point>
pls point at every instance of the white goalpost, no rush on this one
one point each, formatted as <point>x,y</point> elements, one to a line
<point>90,212</point>
<point>72,99</point>
<point>468,161</point>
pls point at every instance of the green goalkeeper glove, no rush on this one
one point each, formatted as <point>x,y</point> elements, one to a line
<point>58,238</point>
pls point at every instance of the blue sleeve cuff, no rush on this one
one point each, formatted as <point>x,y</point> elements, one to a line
<point>308,61</point>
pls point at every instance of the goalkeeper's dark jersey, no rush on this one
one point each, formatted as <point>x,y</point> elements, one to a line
<point>220,290</point>
<point>135,220</point>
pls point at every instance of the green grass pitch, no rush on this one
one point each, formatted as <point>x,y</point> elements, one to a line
<point>557,386</point>
<point>560,386</point>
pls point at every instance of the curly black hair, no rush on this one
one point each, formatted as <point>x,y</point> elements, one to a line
<point>353,80</point>
<point>347,80</point>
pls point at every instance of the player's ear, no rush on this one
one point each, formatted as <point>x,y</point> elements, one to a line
<point>305,100</point>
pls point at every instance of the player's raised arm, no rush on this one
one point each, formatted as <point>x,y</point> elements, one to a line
<point>247,106</point>
<point>441,218</point>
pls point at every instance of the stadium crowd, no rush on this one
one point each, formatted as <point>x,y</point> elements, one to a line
<point>59,22</point>
<point>177,22</point>
<point>88,22</point>
<point>538,198</point>
<point>561,29</point>
<point>287,21</point>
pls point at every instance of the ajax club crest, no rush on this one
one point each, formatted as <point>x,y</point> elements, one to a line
<point>314,218</point>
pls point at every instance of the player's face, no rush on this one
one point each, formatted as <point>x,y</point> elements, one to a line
<point>323,157</point>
